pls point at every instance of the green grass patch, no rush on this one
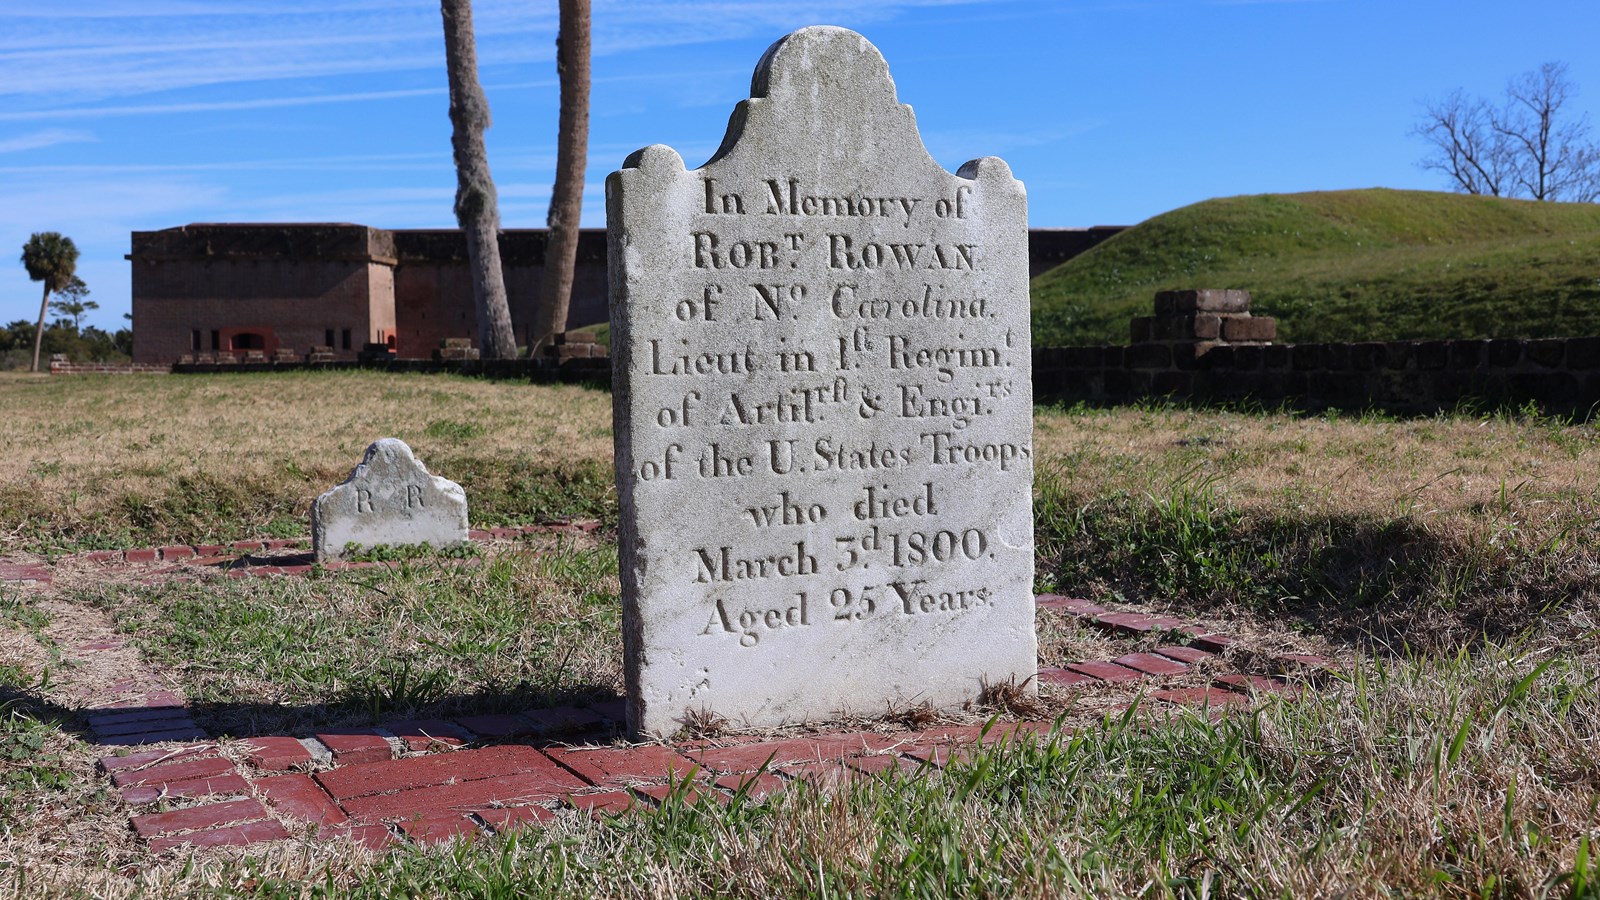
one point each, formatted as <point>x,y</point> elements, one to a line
<point>429,636</point>
<point>1396,576</point>
<point>1345,266</point>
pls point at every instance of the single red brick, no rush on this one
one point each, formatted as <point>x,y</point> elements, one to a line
<point>1105,671</point>
<point>176,720</point>
<point>123,715</point>
<point>199,787</point>
<point>1248,683</point>
<point>610,802</point>
<point>611,710</point>
<point>276,754</point>
<point>618,765</point>
<point>372,837</point>
<point>509,818</point>
<point>153,757</point>
<point>298,797</point>
<point>1199,696</point>
<point>562,720</point>
<point>879,763</point>
<point>1188,655</point>
<point>761,785</point>
<point>1062,677</point>
<point>1072,605</point>
<point>294,570</point>
<point>497,726</point>
<point>1042,731</point>
<point>952,734</point>
<point>248,546</point>
<point>1124,621</point>
<point>1305,660</point>
<point>442,768</point>
<point>177,552</point>
<point>824,773</point>
<point>511,790</point>
<point>422,734</point>
<point>209,550</point>
<point>356,745</point>
<point>438,827</point>
<point>208,816</point>
<point>144,555</point>
<point>178,771</point>
<point>478,534</point>
<point>752,756</point>
<point>279,544</point>
<point>1151,664</point>
<point>233,836</point>
<point>688,795</point>
<point>1214,643</point>
<point>103,556</point>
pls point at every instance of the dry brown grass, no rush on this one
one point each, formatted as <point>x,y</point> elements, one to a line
<point>1462,472</point>
<point>97,459</point>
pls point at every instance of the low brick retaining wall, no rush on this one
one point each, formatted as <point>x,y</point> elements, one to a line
<point>60,365</point>
<point>1560,375</point>
<point>1204,346</point>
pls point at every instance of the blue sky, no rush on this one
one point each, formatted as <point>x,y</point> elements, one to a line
<point>123,115</point>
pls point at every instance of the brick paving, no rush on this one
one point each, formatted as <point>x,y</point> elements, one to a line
<point>425,781</point>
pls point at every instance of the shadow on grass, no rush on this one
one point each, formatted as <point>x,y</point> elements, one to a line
<point>239,720</point>
<point>1388,585</point>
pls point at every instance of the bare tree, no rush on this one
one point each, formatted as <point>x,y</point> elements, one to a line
<point>1466,146</point>
<point>566,200</point>
<point>1524,148</point>
<point>1555,159</point>
<point>477,204</point>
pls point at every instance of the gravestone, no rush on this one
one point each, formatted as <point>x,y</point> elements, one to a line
<point>823,409</point>
<point>389,500</point>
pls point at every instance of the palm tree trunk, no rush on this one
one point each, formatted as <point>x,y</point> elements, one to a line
<point>566,200</point>
<point>38,332</point>
<point>477,205</point>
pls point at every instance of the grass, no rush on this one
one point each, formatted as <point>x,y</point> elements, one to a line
<point>88,462</point>
<point>1450,562</point>
<point>514,632</point>
<point>1345,266</point>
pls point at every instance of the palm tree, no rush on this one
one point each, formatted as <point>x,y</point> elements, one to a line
<point>566,200</point>
<point>52,259</point>
<point>477,205</point>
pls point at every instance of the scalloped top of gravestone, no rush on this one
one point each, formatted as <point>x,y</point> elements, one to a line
<point>823,409</point>
<point>389,500</point>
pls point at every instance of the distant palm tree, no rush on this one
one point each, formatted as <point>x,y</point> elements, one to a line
<point>52,259</point>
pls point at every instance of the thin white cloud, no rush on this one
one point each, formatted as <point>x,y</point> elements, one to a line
<point>98,112</point>
<point>49,137</point>
<point>110,50</point>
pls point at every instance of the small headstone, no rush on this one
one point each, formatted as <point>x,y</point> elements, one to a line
<point>388,500</point>
<point>823,409</point>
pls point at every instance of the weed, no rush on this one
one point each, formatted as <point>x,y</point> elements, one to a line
<point>395,689</point>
